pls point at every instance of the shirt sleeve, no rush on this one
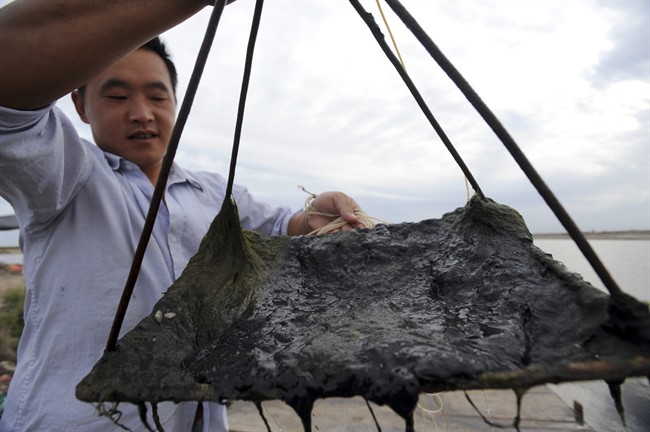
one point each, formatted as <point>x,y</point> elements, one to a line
<point>43,162</point>
<point>253,214</point>
<point>259,216</point>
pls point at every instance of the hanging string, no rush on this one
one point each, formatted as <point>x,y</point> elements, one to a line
<point>390,33</point>
<point>401,60</point>
<point>372,25</point>
<point>510,144</point>
<point>244,91</point>
<point>514,424</point>
<point>165,169</point>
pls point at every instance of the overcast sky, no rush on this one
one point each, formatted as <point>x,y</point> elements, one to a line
<point>570,80</point>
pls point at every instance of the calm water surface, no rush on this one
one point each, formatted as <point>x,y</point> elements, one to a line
<point>628,261</point>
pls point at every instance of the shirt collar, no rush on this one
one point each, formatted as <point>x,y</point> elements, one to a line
<point>178,175</point>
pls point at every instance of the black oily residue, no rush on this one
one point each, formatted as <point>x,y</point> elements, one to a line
<point>462,302</point>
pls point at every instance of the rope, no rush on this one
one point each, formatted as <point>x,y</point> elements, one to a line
<point>372,25</point>
<point>244,91</point>
<point>488,421</point>
<point>260,411</point>
<point>167,163</point>
<point>390,33</point>
<point>431,414</point>
<point>372,413</point>
<point>401,60</point>
<point>438,400</point>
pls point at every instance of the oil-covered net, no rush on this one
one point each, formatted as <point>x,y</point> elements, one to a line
<point>462,302</point>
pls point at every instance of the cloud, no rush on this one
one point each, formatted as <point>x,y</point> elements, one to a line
<point>629,33</point>
<point>568,79</point>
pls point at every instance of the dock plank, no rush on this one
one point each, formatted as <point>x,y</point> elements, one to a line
<point>542,410</point>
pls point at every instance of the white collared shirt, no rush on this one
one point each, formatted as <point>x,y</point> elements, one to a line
<point>81,212</point>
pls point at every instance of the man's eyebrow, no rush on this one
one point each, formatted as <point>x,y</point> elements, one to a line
<point>113,83</point>
<point>157,85</point>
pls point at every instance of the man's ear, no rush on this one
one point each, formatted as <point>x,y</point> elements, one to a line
<point>78,101</point>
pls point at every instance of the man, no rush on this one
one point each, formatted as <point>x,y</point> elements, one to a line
<point>81,206</point>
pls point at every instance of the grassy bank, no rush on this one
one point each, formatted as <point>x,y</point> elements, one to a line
<point>9,250</point>
<point>11,322</point>
<point>12,299</point>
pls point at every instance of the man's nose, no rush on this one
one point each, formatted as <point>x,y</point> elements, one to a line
<point>140,110</point>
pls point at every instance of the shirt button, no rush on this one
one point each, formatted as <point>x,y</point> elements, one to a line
<point>172,238</point>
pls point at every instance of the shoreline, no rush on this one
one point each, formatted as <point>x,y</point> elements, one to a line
<point>590,235</point>
<point>599,235</point>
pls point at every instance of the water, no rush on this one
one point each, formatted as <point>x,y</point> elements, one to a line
<point>11,258</point>
<point>628,261</point>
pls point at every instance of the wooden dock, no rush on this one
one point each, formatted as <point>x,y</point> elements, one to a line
<point>542,410</point>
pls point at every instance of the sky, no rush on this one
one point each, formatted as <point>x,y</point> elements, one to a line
<point>569,80</point>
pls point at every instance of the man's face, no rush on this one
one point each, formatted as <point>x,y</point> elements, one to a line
<point>131,110</point>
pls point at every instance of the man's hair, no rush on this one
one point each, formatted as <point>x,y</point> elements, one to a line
<point>157,46</point>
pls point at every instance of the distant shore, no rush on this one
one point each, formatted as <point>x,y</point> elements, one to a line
<point>601,235</point>
<point>590,235</point>
<point>9,250</point>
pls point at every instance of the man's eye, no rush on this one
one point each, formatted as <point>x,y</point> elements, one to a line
<point>116,97</point>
